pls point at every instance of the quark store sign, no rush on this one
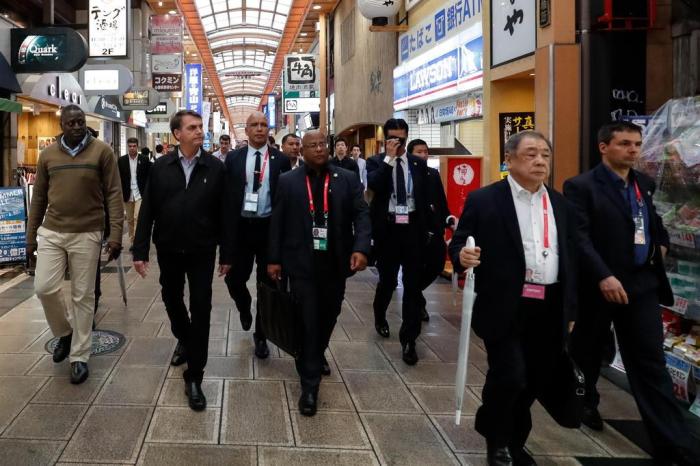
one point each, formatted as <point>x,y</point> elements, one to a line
<point>39,50</point>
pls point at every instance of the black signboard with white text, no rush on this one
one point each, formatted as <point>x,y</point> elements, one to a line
<point>38,50</point>
<point>167,82</point>
<point>511,123</point>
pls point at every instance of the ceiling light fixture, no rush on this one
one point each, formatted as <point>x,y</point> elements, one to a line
<point>317,7</point>
<point>304,34</point>
<point>172,12</point>
<point>160,3</point>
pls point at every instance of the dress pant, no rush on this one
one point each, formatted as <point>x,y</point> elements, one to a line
<point>80,252</point>
<point>132,216</point>
<point>402,250</point>
<point>320,301</point>
<point>639,332</point>
<point>519,367</point>
<point>251,247</point>
<point>191,330</point>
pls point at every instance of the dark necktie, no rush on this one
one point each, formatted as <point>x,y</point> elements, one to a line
<point>256,172</point>
<point>400,184</point>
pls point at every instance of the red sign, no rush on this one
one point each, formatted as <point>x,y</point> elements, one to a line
<point>165,25</point>
<point>163,45</point>
<point>463,177</point>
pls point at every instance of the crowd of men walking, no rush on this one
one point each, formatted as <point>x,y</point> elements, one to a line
<point>546,264</point>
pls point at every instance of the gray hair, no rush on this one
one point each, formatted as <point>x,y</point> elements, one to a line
<point>513,142</point>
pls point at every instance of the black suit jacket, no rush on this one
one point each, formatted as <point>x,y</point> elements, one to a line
<point>438,200</point>
<point>606,234</point>
<point>489,216</point>
<point>380,182</point>
<point>277,164</point>
<point>143,168</point>
<point>185,218</point>
<point>291,243</point>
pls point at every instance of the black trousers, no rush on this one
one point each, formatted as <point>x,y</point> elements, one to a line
<point>251,248</point>
<point>403,250</point>
<point>519,365</point>
<point>320,301</point>
<point>640,338</point>
<point>191,330</point>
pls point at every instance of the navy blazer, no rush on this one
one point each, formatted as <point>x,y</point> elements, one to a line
<point>489,216</point>
<point>278,163</point>
<point>606,234</point>
<point>291,242</point>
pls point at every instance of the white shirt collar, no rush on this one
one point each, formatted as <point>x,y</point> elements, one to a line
<point>182,156</point>
<point>520,191</point>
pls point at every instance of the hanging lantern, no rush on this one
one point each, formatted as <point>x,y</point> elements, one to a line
<point>378,11</point>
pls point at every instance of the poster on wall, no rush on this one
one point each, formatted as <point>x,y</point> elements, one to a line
<point>107,30</point>
<point>511,123</point>
<point>463,176</point>
<point>513,30</point>
<point>13,240</point>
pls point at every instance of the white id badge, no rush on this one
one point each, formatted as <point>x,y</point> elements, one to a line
<point>402,214</point>
<point>320,236</point>
<point>639,236</point>
<point>251,202</point>
<point>411,203</point>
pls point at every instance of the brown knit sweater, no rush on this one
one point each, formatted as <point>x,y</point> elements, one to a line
<point>73,192</point>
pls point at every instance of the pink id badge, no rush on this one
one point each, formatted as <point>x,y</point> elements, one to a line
<point>530,290</point>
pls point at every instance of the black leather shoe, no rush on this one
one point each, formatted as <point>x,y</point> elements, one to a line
<point>78,372</point>
<point>179,355</point>
<point>307,404</point>
<point>409,354</point>
<point>499,456</point>
<point>591,418</point>
<point>424,316</point>
<point>325,367</point>
<point>246,320</point>
<point>62,349</point>
<point>261,349</point>
<point>195,396</point>
<point>521,457</point>
<point>382,329</point>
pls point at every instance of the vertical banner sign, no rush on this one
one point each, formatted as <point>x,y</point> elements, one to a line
<point>216,123</point>
<point>13,239</point>
<point>272,122</point>
<point>511,123</point>
<point>463,177</point>
<point>193,87</point>
<point>166,52</point>
<point>300,84</point>
<point>107,28</point>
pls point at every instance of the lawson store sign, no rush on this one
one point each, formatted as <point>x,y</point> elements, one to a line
<point>445,71</point>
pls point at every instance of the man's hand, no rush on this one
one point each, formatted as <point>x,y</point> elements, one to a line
<point>469,258</point>
<point>358,262</point>
<point>31,249</point>
<point>664,251</point>
<point>114,249</point>
<point>612,290</point>
<point>223,269</point>
<point>274,271</point>
<point>141,268</point>
<point>392,147</point>
<point>572,324</point>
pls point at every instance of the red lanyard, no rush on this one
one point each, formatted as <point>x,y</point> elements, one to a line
<point>312,208</point>
<point>262,170</point>
<point>638,194</point>
<point>545,219</point>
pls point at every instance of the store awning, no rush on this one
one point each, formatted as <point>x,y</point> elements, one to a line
<point>10,106</point>
<point>8,80</point>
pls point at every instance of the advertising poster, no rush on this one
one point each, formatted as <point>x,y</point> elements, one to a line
<point>680,375</point>
<point>511,123</point>
<point>13,240</point>
<point>463,177</point>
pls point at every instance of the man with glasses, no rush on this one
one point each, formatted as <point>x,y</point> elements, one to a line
<point>252,172</point>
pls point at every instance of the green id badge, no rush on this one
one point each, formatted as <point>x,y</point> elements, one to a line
<point>320,236</point>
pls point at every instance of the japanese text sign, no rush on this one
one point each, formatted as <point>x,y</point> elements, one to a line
<point>13,244</point>
<point>511,123</point>
<point>193,87</point>
<point>300,73</point>
<point>107,30</point>
<point>513,30</point>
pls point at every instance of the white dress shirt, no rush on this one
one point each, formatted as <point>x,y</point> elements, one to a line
<point>407,180</point>
<point>133,165</point>
<point>264,197</point>
<point>542,265</point>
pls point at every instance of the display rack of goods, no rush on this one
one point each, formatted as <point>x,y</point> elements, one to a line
<point>671,155</point>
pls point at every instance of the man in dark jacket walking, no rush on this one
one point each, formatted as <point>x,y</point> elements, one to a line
<point>133,171</point>
<point>184,207</point>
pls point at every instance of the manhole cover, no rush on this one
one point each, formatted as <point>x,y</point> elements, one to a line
<point>103,341</point>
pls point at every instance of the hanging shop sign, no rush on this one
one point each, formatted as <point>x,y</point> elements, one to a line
<point>193,87</point>
<point>108,106</point>
<point>512,123</point>
<point>141,98</point>
<point>38,50</point>
<point>108,28</point>
<point>442,72</point>
<point>463,177</point>
<point>166,63</point>
<point>105,79</point>
<point>300,72</point>
<point>59,89</point>
<point>163,45</point>
<point>469,106</point>
<point>453,18</point>
<point>164,25</point>
<point>138,118</point>
<point>216,123</point>
<point>545,13</point>
<point>271,112</point>
<point>13,239</point>
<point>166,82</point>
<point>513,30</point>
<point>160,109</point>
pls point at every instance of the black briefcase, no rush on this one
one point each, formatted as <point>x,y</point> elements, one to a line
<point>279,317</point>
<point>563,396</point>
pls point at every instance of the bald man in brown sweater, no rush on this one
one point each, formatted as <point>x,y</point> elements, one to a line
<point>76,178</point>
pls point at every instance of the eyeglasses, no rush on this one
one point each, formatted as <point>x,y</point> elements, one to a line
<point>318,145</point>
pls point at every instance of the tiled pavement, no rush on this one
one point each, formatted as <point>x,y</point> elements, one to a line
<point>373,409</point>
